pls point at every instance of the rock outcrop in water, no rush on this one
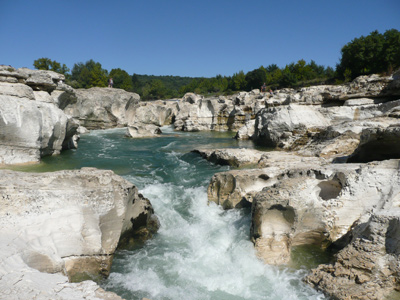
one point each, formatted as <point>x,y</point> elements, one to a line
<point>31,124</point>
<point>65,223</point>
<point>146,118</point>
<point>101,108</point>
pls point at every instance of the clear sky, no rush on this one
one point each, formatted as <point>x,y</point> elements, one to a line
<point>187,38</point>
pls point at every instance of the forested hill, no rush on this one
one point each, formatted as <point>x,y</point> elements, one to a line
<point>172,84</point>
<point>375,53</point>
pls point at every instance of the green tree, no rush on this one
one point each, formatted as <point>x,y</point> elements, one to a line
<point>89,75</point>
<point>154,90</point>
<point>45,63</point>
<point>256,78</point>
<point>288,78</point>
<point>122,79</point>
<point>391,49</point>
<point>239,82</point>
<point>374,53</point>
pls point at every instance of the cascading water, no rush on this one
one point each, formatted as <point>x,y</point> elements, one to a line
<point>201,251</point>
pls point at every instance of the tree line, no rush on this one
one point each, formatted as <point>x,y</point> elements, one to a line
<point>375,53</point>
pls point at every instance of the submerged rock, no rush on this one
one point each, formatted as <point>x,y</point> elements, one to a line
<point>66,222</point>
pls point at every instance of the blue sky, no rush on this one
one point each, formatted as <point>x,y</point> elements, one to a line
<point>187,38</point>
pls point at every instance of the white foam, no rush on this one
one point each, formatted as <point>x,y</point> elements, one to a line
<point>203,252</point>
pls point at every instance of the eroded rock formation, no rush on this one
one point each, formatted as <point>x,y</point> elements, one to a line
<point>101,108</point>
<point>31,124</point>
<point>65,223</point>
<point>368,267</point>
<point>146,118</point>
<point>302,198</point>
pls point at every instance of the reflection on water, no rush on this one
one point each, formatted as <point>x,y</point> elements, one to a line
<point>200,251</point>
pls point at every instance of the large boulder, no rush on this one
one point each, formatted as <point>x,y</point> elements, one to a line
<point>292,126</point>
<point>11,75</point>
<point>145,118</point>
<point>197,116</point>
<point>319,206</point>
<point>282,126</point>
<point>41,80</point>
<point>65,223</point>
<point>158,113</point>
<point>246,132</point>
<point>378,143</point>
<point>231,157</point>
<point>337,142</point>
<point>196,113</point>
<point>237,188</point>
<point>304,200</point>
<point>29,129</point>
<point>101,108</point>
<point>368,268</point>
<point>32,125</point>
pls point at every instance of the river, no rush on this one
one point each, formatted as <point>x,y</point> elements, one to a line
<point>201,251</point>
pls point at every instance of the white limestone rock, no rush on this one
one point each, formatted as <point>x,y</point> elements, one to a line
<point>41,80</point>
<point>236,188</point>
<point>337,142</point>
<point>378,143</point>
<point>191,98</point>
<point>292,126</point>
<point>65,223</point>
<point>101,108</point>
<point>63,95</point>
<point>18,90</point>
<point>246,132</point>
<point>29,130</point>
<point>280,126</point>
<point>158,113</point>
<point>319,205</point>
<point>232,157</point>
<point>145,118</point>
<point>143,131</point>
<point>368,268</point>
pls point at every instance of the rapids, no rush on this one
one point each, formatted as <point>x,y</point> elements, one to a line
<point>201,251</point>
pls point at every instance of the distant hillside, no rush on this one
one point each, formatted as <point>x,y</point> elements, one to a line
<point>169,81</point>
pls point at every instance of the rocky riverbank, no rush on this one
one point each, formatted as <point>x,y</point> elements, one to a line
<point>332,181</point>
<point>335,185</point>
<point>63,227</point>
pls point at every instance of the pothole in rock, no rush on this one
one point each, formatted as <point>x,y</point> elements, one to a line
<point>329,189</point>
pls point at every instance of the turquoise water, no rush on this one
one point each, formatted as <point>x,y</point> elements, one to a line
<point>200,252</point>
